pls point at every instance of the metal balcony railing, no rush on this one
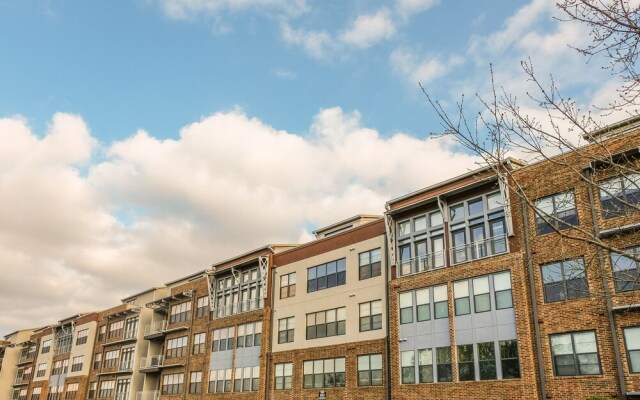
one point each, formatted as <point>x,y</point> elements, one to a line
<point>422,263</point>
<point>122,396</point>
<point>238,308</point>
<point>148,395</point>
<point>151,362</point>
<point>155,327</point>
<point>479,249</point>
<point>26,357</point>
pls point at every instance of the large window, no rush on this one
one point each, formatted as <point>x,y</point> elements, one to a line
<point>466,369</point>
<point>423,311</point>
<point>46,346</point>
<point>324,373</point>
<point>41,370</point>
<point>199,343</point>
<point>76,364</point>
<point>110,359</point>
<point>443,364</point>
<point>487,360</point>
<point>564,280</point>
<point>556,212</point>
<point>509,360</point>
<point>172,384</point>
<point>82,337</point>
<point>575,354</point>
<point>131,328</point>
<point>195,382</point>
<point>288,285</point>
<point>284,376</point>
<point>370,370</point>
<point>246,379</point>
<point>202,305</point>
<point>619,194</point>
<point>632,344</point>
<point>177,347</point>
<point>408,366</point>
<point>180,312</point>
<point>286,329</point>
<point>106,389</point>
<point>625,270</point>
<point>72,391</point>
<point>250,334</point>
<point>480,289</point>
<point>371,315</point>
<point>327,275</point>
<point>425,365</point>
<point>370,264</point>
<point>116,329</point>
<point>35,394</point>
<point>223,339</point>
<point>326,323</point>
<point>220,381</point>
<point>238,292</point>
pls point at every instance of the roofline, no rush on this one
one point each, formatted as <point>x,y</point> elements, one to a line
<point>124,300</point>
<point>632,122</point>
<point>344,221</point>
<point>508,161</point>
<point>313,242</point>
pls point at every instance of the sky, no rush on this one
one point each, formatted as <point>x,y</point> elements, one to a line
<point>144,140</point>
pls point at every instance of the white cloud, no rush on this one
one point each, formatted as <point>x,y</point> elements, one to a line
<point>228,184</point>
<point>317,44</point>
<point>284,74</point>
<point>185,9</point>
<point>413,68</point>
<point>408,8</point>
<point>369,29</point>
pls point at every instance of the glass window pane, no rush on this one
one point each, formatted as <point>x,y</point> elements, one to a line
<point>422,296</point>
<point>481,285</point>
<point>502,281</point>
<point>561,344</point>
<point>632,338</point>
<point>406,300</point>
<point>420,223</point>
<point>552,273</point>
<point>404,228</point>
<point>440,293</point>
<point>494,201</point>
<point>475,206</point>
<point>585,342</point>
<point>460,289</point>
<point>435,219</point>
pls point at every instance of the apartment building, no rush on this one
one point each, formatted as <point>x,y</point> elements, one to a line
<point>329,321</point>
<point>14,352</point>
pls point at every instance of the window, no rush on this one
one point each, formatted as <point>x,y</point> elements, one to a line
<point>441,302</point>
<point>286,328</point>
<point>481,298</point>
<point>625,270</point>
<point>487,360</point>
<point>443,364</point>
<point>284,376</point>
<point>72,391</point>
<point>326,323</point>
<point>177,347</point>
<point>63,341</point>
<point>172,384</point>
<point>406,307</point>
<point>564,280</point>
<point>408,366</point>
<point>246,379</point>
<point>55,392</point>
<point>327,275</point>
<point>22,394</point>
<point>619,194</point>
<point>575,354</point>
<point>82,337</point>
<point>250,334</point>
<point>509,359</point>
<point>324,373</point>
<point>556,212</point>
<point>425,242</point>
<point>223,339</point>
<point>220,381</point>
<point>195,382</point>
<point>238,293</point>
<point>115,329</point>
<point>76,364</point>
<point>502,288</point>
<point>106,389</point>
<point>370,264</point>
<point>131,328</point>
<point>41,370</point>
<point>35,394</point>
<point>462,303</point>
<point>46,346</point>
<point>632,344</point>
<point>110,358</point>
<point>126,359</point>
<point>57,368</point>
<point>180,312</point>
<point>96,360</point>
<point>101,333</point>
<point>288,285</point>
<point>466,370</point>
<point>202,304</point>
<point>371,316</point>
<point>28,372</point>
<point>199,343</point>
<point>370,370</point>
<point>93,386</point>
<point>425,366</point>
<point>423,311</point>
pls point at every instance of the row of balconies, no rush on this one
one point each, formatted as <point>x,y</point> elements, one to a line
<point>148,395</point>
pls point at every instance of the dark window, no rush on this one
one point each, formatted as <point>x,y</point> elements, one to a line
<point>327,275</point>
<point>286,329</point>
<point>202,306</point>
<point>466,370</point>
<point>575,354</point>
<point>326,323</point>
<point>443,363</point>
<point>564,280</point>
<point>556,212</point>
<point>632,343</point>
<point>619,195</point>
<point>370,264</point>
<point>371,315</point>
<point>370,370</point>
<point>408,366</point>
<point>288,285</point>
<point>425,365</point>
<point>509,359</point>
<point>487,360</point>
<point>625,270</point>
<point>324,373</point>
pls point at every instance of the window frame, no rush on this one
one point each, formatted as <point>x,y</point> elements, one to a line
<point>288,290</point>
<point>371,268</point>
<point>564,281</point>
<point>576,362</point>
<point>370,371</point>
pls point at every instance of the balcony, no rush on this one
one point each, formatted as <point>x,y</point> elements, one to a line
<point>148,395</point>
<point>26,358</point>
<point>22,380</point>
<point>479,249</point>
<point>158,329</point>
<point>238,308</point>
<point>422,263</point>
<point>156,363</point>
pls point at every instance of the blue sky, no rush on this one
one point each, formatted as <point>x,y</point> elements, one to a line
<point>143,140</point>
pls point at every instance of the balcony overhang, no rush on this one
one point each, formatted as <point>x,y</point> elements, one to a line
<point>121,313</point>
<point>619,230</point>
<point>625,307</point>
<point>162,305</point>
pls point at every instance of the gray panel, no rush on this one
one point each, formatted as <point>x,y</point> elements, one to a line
<point>409,344</point>
<point>464,322</point>
<point>57,380</point>
<point>441,325</point>
<point>248,357</point>
<point>442,339</point>
<point>424,341</point>
<point>485,334</point>
<point>407,330</point>
<point>506,332</point>
<point>506,316</point>
<point>464,336</point>
<point>221,360</point>
<point>484,319</point>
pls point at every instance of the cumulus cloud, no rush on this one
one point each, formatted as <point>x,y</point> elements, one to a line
<point>411,67</point>
<point>369,29</point>
<point>185,9</point>
<point>82,226</point>
<point>317,44</point>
